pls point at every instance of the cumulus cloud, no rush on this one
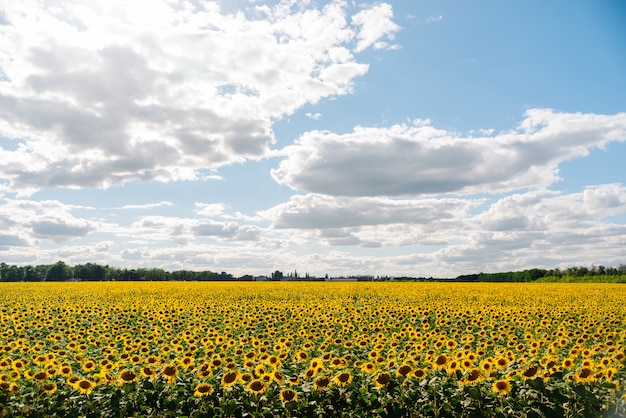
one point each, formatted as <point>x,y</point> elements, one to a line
<point>314,211</point>
<point>147,205</point>
<point>420,159</point>
<point>96,95</point>
<point>210,209</point>
<point>375,23</point>
<point>26,221</point>
<point>185,231</point>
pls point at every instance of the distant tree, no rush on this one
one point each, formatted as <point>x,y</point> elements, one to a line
<point>58,272</point>
<point>14,274</point>
<point>277,275</point>
<point>4,268</point>
<point>30,274</point>
<point>90,272</point>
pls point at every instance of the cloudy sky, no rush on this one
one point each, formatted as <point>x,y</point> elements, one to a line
<point>420,138</point>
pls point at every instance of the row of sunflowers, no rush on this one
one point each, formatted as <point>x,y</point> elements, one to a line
<point>312,349</point>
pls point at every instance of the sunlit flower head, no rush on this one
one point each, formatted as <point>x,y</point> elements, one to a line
<point>382,379</point>
<point>230,379</point>
<point>321,382</point>
<point>49,388</point>
<point>170,372</point>
<point>84,386</point>
<point>501,387</point>
<point>368,367</point>
<point>530,372</point>
<point>419,374</point>
<point>440,362</point>
<point>128,376</point>
<point>256,386</point>
<point>343,379</point>
<point>203,389</point>
<point>584,375</point>
<point>474,375</point>
<point>288,395</point>
<point>404,370</point>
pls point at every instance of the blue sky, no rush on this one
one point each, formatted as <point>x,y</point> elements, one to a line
<point>421,138</point>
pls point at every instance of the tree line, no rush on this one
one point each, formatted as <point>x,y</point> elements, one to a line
<point>553,275</point>
<point>61,272</point>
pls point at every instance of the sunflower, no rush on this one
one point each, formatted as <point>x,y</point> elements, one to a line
<point>256,386</point>
<point>502,363</point>
<point>170,372</point>
<point>153,360</point>
<point>316,363</point>
<point>338,363</point>
<point>440,362</point>
<point>277,377</point>
<point>51,371</point>
<point>203,389</point>
<point>40,360</point>
<point>321,383</point>
<point>127,376</point>
<point>610,372</point>
<point>419,374</point>
<point>187,362</point>
<point>467,364</point>
<point>89,366</point>
<point>246,377</point>
<point>368,368</point>
<point>584,375</point>
<point>343,379</point>
<point>486,366</point>
<point>230,379</point>
<point>85,386</point>
<point>18,365</point>
<point>300,356</point>
<point>148,372</point>
<point>501,387</point>
<point>8,387</point>
<point>310,373</point>
<point>531,372</point>
<point>382,379</point>
<point>41,376</point>
<point>49,388</point>
<point>453,366</point>
<point>260,370</point>
<point>65,370</point>
<point>403,370</point>
<point>273,361</point>
<point>475,375</point>
<point>288,395</point>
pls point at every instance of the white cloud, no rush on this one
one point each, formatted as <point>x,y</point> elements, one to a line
<point>98,94</point>
<point>210,209</point>
<point>375,23</point>
<point>28,221</point>
<point>433,19</point>
<point>147,205</point>
<point>314,211</point>
<point>413,160</point>
<point>438,236</point>
<point>314,116</point>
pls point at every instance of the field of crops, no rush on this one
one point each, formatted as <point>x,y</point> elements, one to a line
<point>312,349</point>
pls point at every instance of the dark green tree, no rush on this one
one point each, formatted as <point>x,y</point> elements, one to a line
<point>58,272</point>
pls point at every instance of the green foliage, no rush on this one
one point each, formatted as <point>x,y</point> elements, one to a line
<point>583,279</point>
<point>435,396</point>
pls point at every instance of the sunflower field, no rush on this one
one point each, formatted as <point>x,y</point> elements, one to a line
<point>121,349</point>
